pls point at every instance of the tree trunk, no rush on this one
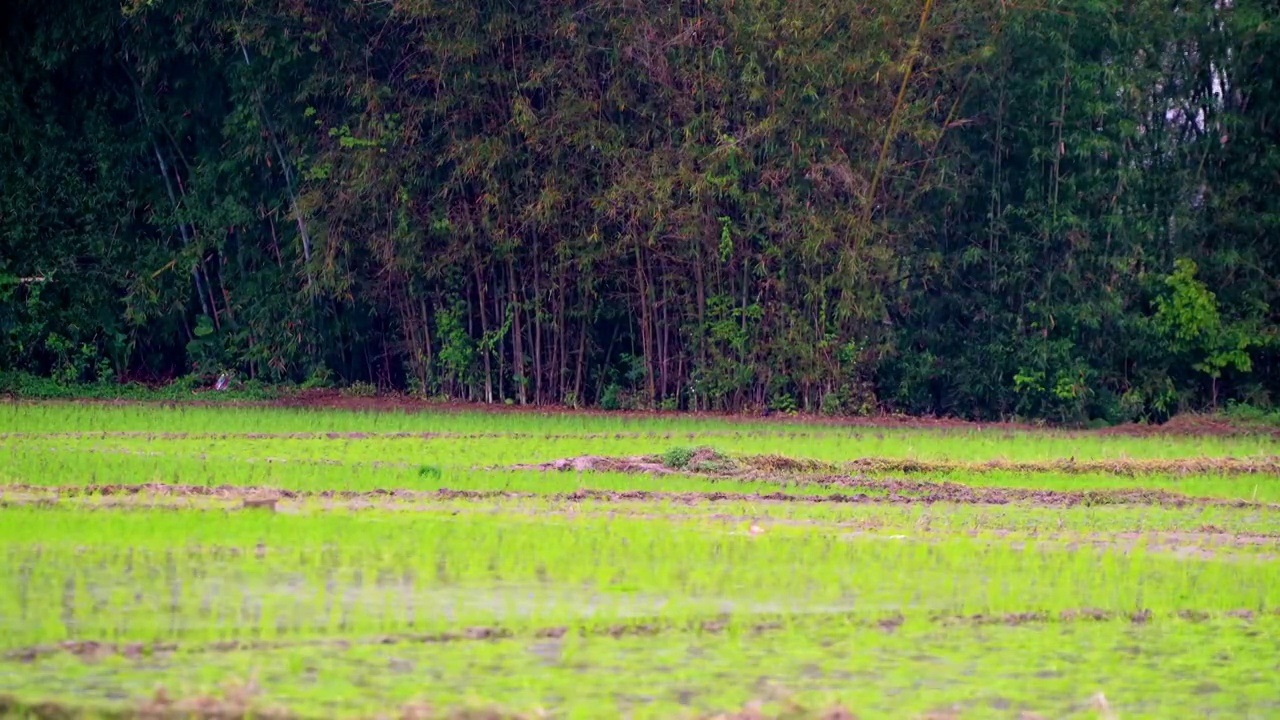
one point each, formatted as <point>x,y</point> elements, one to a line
<point>182,227</point>
<point>578,374</point>
<point>517,336</point>
<point>560,366</point>
<point>537,327</point>
<point>646,324</point>
<point>484,335</point>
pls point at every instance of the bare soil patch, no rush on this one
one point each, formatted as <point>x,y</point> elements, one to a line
<point>235,703</point>
<point>777,468</point>
<point>1205,543</point>
<point>593,463</point>
<point>763,467</point>
<point>644,626</point>
<point>240,704</point>
<point>1131,467</point>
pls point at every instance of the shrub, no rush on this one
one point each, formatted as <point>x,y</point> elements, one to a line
<point>697,459</point>
<point>678,458</point>
<point>611,398</point>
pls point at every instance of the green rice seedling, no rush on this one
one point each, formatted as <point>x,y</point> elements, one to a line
<point>338,564</point>
<point>567,434</point>
<point>1233,528</point>
<point>1254,488</point>
<point>1051,669</point>
<point>31,463</point>
<point>340,573</point>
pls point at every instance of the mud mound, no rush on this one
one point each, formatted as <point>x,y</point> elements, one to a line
<point>593,463</point>
<point>639,626</point>
<point>711,463</point>
<point>782,463</point>
<point>701,459</point>
<point>1129,467</point>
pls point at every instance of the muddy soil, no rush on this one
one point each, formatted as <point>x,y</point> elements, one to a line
<point>235,705</point>
<point>594,463</point>
<point>715,467</point>
<point>1206,542</point>
<point>894,491</point>
<point>1132,467</point>
<point>242,704</point>
<point>637,627</point>
<point>768,467</point>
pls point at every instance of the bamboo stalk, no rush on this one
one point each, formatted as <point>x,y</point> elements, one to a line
<point>893,116</point>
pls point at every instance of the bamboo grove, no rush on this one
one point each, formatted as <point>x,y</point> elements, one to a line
<point>1065,209</point>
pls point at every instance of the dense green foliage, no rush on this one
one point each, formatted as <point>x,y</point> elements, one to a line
<point>1066,210</point>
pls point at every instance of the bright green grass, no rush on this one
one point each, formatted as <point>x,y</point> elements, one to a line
<point>1202,526</point>
<point>1223,668</point>
<point>1262,488</point>
<point>509,450</point>
<point>202,576</point>
<point>320,571</point>
<point>826,443</point>
<point>173,576</point>
<point>916,521</point>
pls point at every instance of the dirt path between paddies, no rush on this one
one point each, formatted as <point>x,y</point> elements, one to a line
<point>240,701</point>
<point>872,492</point>
<point>1205,541</point>
<point>710,463</point>
<point>641,626</point>
<point>716,464</point>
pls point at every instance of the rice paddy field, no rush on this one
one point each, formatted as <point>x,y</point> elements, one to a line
<point>184,561</point>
